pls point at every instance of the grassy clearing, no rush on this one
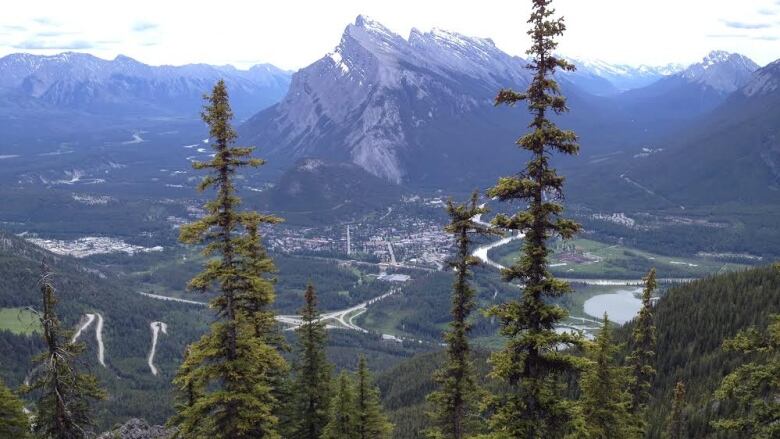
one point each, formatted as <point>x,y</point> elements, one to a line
<point>587,258</point>
<point>19,321</point>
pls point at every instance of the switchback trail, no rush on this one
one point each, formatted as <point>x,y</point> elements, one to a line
<point>156,327</point>
<point>101,354</point>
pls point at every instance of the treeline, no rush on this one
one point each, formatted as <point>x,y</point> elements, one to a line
<point>235,381</point>
<point>693,320</point>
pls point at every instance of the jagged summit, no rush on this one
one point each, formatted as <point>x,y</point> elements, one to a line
<point>722,71</point>
<point>373,98</point>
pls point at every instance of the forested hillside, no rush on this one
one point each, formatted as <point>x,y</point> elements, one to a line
<point>692,321</point>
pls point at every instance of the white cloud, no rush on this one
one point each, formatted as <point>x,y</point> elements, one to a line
<point>294,33</point>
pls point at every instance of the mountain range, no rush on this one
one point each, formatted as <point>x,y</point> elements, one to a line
<point>72,91</point>
<point>604,79</point>
<point>419,111</point>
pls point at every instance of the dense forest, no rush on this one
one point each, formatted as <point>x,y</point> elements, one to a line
<point>702,362</point>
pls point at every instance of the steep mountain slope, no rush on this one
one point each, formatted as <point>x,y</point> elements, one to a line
<point>692,321</point>
<point>54,92</point>
<point>669,102</point>
<point>732,155</point>
<point>405,110</point>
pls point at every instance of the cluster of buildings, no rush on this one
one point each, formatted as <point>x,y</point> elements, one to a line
<point>395,240</point>
<point>91,245</point>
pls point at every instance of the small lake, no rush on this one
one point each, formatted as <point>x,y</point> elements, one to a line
<point>620,306</point>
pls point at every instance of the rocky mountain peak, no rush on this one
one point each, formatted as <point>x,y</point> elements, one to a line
<point>722,71</point>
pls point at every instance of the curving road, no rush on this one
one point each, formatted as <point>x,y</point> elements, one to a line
<point>481,253</point>
<point>83,327</point>
<point>342,318</point>
<point>99,338</point>
<point>101,354</point>
<point>156,327</point>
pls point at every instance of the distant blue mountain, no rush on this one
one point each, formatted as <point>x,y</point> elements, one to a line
<point>77,84</point>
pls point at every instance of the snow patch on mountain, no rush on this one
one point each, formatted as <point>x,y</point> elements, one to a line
<point>722,71</point>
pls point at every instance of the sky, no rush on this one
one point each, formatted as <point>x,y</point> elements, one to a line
<point>294,33</point>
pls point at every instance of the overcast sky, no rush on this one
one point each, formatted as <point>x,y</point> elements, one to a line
<point>294,33</point>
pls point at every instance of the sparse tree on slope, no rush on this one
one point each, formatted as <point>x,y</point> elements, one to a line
<point>233,364</point>
<point>754,386</point>
<point>454,402</point>
<point>676,424</point>
<point>371,421</point>
<point>532,362</point>
<point>643,357</point>
<point>13,421</point>
<point>605,400</point>
<point>62,410</point>
<point>312,380</point>
<point>342,417</point>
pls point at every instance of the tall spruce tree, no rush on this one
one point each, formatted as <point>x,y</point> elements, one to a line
<point>62,410</point>
<point>14,422</point>
<point>605,399</point>
<point>371,421</point>
<point>754,387</point>
<point>532,362</point>
<point>312,379</point>
<point>342,414</point>
<point>233,365</point>
<point>675,428</point>
<point>643,356</point>
<point>454,403</point>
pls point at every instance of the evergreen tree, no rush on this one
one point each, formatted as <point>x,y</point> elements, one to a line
<point>371,421</point>
<point>532,362</point>
<point>255,299</point>
<point>676,424</point>
<point>754,386</point>
<point>312,379</point>
<point>13,421</point>
<point>342,417</point>
<point>62,409</point>
<point>642,359</point>
<point>605,400</point>
<point>234,364</point>
<point>257,269</point>
<point>454,402</point>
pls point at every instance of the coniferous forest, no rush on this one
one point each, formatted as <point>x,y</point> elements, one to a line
<point>701,358</point>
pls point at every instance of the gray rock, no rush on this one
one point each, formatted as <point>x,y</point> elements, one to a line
<point>138,429</point>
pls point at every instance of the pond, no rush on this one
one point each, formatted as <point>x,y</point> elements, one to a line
<point>620,306</point>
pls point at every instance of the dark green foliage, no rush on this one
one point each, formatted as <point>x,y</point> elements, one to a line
<point>371,421</point>
<point>676,424</point>
<point>531,363</point>
<point>755,385</point>
<point>605,400</point>
<point>312,373</point>
<point>342,420</point>
<point>13,421</point>
<point>455,412</point>
<point>63,394</point>
<point>643,357</point>
<point>236,365</point>
<point>692,320</point>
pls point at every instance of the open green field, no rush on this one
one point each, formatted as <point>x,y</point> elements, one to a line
<point>18,321</point>
<point>593,259</point>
